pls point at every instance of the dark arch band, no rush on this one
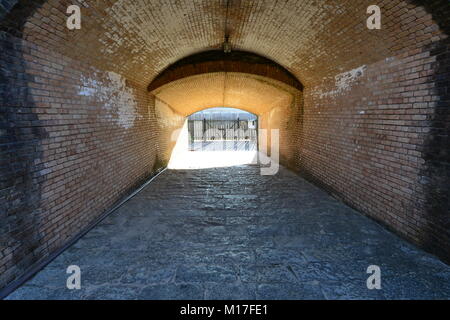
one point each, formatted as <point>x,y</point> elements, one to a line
<point>218,61</point>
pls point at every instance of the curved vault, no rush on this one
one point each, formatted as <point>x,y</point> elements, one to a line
<point>219,61</point>
<point>252,93</point>
<point>139,39</point>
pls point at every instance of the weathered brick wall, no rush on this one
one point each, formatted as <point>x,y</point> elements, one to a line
<point>74,140</point>
<point>378,137</point>
<point>169,123</point>
<point>287,119</point>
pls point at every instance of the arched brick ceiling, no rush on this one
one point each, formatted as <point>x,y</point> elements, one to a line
<point>252,93</point>
<point>311,38</point>
<point>219,61</point>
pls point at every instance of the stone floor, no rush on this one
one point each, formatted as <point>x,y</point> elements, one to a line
<point>230,233</point>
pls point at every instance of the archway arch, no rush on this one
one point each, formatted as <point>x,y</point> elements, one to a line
<point>216,61</point>
<point>277,104</point>
<point>253,93</point>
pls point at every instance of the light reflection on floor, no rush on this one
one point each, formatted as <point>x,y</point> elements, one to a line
<point>211,159</point>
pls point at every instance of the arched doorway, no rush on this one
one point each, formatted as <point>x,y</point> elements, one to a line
<point>216,137</point>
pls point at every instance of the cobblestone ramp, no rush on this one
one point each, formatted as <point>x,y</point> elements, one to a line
<point>230,233</point>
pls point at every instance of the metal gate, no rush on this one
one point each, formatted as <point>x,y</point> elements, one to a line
<point>223,135</point>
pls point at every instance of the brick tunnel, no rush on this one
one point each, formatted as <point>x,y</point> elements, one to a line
<point>90,118</point>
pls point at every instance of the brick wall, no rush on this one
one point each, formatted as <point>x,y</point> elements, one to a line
<point>287,119</point>
<point>74,140</point>
<point>169,123</point>
<point>215,61</point>
<point>378,138</point>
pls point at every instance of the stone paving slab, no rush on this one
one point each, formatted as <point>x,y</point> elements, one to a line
<point>230,233</point>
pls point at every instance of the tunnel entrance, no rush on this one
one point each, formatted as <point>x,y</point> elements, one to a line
<point>223,129</point>
<point>216,137</point>
<point>90,115</point>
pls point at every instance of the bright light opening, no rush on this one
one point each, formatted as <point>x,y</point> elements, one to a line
<point>217,137</point>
